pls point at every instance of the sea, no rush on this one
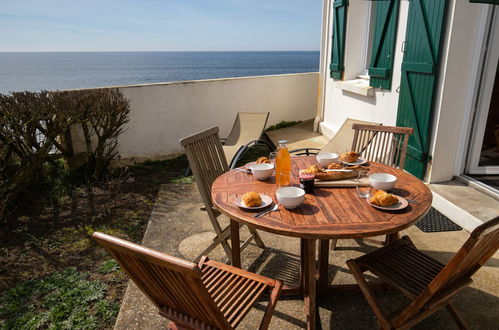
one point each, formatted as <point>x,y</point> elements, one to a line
<point>35,71</point>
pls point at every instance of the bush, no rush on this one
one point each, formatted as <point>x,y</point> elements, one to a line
<point>35,133</point>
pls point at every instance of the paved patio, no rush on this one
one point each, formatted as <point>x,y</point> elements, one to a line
<point>178,227</point>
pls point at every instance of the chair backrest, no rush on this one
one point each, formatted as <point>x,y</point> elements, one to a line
<point>383,144</point>
<point>342,140</point>
<point>170,283</point>
<point>480,246</point>
<point>206,159</point>
<point>247,127</point>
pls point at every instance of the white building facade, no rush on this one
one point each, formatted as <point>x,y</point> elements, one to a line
<point>427,64</point>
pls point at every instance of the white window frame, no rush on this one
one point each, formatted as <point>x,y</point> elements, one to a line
<point>368,39</point>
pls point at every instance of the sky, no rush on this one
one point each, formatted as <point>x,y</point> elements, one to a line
<point>159,25</point>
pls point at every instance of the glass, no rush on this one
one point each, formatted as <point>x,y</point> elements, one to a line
<point>363,190</point>
<point>272,157</point>
<point>283,165</point>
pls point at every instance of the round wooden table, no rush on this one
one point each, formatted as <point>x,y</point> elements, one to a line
<point>329,213</point>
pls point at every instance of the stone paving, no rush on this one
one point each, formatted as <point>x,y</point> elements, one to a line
<point>178,227</point>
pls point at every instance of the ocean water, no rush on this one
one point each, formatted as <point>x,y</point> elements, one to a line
<point>68,70</point>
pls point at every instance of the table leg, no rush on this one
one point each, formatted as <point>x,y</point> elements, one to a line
<point>391,238</point>
<point>322,281</point>
<point>235,243</point>
<point>309,289</point>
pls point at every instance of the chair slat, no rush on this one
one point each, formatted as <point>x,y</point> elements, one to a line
<point>381,143</point>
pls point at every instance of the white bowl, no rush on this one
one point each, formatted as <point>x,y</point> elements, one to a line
<point>326,158</point>
<point>290,197</point>
<point>262,171</point>
<point>382,181</point>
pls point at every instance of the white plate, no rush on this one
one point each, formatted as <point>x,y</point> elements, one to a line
<point>266,201</point>
<point>401,204</point>
<point>359,161</point>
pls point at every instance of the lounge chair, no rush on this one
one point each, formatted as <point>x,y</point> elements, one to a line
<point>246,132</point>
<point>340,142</point>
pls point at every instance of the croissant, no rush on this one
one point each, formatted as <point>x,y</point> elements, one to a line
<point>263,160</point>
<point>382,198</point>
<point>349,157</point>
<point>252,199</point>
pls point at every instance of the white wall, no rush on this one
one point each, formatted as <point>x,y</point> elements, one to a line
<point>455,89</point>
<point>339,104</point>
<point>163,113</point>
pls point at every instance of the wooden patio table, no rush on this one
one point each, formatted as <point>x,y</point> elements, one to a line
<point>330,213</point>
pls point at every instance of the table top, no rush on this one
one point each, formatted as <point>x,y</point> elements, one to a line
<point>329,212</point>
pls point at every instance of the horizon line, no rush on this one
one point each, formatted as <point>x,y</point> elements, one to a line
<point>146,51</point>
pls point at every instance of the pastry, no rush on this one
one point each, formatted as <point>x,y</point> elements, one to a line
<point>349,157</point>
<point>263,160</point>
<point>252,199</point>
<point>334,166</point>
<point>382,198</point>
<point>312,169</point>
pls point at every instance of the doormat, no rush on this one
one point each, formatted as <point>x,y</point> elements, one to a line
<point>435,221</point>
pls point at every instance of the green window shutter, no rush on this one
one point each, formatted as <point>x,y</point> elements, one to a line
<point>339,29</point>
<point>383,46</point>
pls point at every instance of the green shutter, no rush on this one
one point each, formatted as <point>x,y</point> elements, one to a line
<point>383,46</point>
<point>339,29</point>
<point>419,75</point>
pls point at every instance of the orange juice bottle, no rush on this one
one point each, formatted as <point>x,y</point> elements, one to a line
<point>283,164</point>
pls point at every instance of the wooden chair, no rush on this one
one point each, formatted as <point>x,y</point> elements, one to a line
<point>382,144</point>
<point>207,161</point>
<point>209,295</point>
<point>429,284</point>
<point>246,132</point>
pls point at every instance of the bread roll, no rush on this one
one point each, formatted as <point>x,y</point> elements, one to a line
<point>252,199</point>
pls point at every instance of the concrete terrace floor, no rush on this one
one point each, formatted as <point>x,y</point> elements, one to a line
<point>178,227</point>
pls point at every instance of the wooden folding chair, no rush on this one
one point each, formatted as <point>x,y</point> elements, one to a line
<point>429,284</point>
<point>209,295</point>
<point>382,144</point>
<point>207,161</point>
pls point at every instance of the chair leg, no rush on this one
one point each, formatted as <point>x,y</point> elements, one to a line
<point>274,296</point>
<point>256,237</point>
<point>456,316</point>
<point>383,320</point>
<point>333,244</point>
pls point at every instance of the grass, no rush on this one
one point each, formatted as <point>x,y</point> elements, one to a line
<point>52,274</point>
<point>64,300</point>
<point>282,124</point>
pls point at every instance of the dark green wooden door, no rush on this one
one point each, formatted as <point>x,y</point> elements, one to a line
<point>419,74</point>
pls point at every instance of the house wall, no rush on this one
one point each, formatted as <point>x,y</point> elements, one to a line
<point>161,114</point>
<point>341,104</point>
<point>455,87</point>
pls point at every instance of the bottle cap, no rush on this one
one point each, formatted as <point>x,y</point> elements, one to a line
<point>283,141</point>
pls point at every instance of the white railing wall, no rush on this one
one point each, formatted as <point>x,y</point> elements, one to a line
<point>163,113</point>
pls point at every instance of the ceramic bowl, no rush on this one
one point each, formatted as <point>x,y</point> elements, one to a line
<point>262,171</point>
<point>326,158</point>
<point>382,181</point>
<point>290,197</point>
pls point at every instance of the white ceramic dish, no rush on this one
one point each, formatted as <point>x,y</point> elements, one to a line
<point>248,165</point>
<point>401,204</point>
<point>382,181</point>
<point>262,172</point>
<point>266,201</point>
<point>326,158</point>
<point>290,197</point>
<point>359,161</point>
